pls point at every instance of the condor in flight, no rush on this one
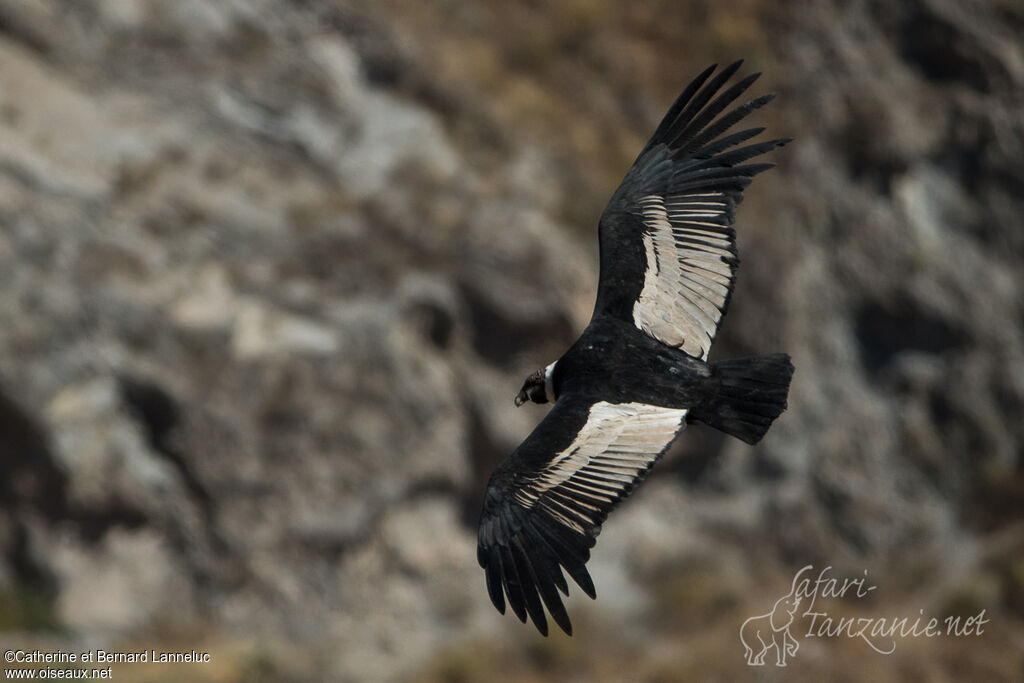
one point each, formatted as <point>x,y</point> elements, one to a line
<point>639,372</point>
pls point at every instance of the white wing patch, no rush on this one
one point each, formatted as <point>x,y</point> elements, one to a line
<point>686,284</point>
<point>618,443</point>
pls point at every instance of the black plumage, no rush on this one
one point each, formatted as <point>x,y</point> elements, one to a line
<point>639,371</point>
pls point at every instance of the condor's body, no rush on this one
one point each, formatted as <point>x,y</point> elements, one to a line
<point>617,362</point>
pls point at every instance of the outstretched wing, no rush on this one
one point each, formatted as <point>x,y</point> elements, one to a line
<point>668,247</point>
<point>545,504</point>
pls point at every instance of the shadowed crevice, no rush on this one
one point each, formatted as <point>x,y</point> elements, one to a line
<point>885,330</point>
<point>159,415</point>
<point>29,475</point>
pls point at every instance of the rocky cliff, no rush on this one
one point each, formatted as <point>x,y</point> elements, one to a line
<point>272,272</point>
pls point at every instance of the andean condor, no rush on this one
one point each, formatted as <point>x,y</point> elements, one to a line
<point>639,372</point>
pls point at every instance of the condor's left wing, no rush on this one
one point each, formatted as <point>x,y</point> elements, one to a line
<point>546,502</point>
<point>668,247</point>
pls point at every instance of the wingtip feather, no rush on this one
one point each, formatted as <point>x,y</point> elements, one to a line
<point>510,580</point>
<point>528,581</point>
<point>492,573</point>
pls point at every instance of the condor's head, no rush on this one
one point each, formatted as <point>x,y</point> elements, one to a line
<point>538,387</point>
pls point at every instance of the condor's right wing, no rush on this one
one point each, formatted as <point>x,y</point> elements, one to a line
<point>546,502</point>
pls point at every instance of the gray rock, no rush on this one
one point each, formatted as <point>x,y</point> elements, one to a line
<point>273,272</point>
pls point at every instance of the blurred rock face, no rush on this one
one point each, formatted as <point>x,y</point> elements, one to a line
<point>272,274</point>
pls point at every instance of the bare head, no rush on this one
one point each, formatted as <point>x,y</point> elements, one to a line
<point>538,387</point>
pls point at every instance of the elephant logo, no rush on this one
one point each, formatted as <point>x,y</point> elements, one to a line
<point>766,631</point>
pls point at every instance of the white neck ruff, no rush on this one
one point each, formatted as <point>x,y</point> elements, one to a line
<point>549,383</point>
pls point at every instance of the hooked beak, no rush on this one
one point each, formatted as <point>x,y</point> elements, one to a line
<point>521,398</point>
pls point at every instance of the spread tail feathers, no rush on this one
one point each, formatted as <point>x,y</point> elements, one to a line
<point>751,393</point>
